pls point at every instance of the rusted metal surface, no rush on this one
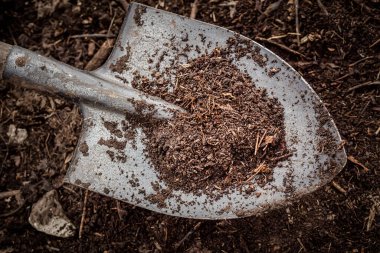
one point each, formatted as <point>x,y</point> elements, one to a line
<point>149,37</point>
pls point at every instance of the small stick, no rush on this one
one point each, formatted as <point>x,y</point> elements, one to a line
<point>272,7</point>
<point>8,194</point>
<point>338,187</point>
<point>296,5</point>
<point>355,161</point>
<point>302,246</point>
<point>120,212</point>
<point>343,77</point>
<point>257,143</point>
<point>359,61</point>
<point>194,9</point>
<point>13,211</point>
<point>256,171</point>
<point>377,131</point>
<point>282,46</point>
<point>366,84</point>
<point>100,55</point>
<point>375,43</point>
<point>262,138</point>
<point>124,4</point>
<point>323,8</point>
<point>110,26</point>
<point>92,35</point>
<point>178,244</point>
<point>83,214</point>
<point>281,157</point>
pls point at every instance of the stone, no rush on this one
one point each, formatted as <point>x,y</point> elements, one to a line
<point>47,216</point>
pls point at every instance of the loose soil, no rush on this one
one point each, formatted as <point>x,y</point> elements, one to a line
<point>231,132</point>
<point>332,55</point>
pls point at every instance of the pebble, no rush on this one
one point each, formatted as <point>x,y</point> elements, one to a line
<point>16,135</point>
<point>47,216</point>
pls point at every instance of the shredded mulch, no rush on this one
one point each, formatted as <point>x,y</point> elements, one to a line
<point>232,131</point>
<point>337,52</point>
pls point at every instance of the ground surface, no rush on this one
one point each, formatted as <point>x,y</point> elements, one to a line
<point>339,49</point>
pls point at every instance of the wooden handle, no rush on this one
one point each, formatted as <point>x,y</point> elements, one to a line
<point>4,52</point>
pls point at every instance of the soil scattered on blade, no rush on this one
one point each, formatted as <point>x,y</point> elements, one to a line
<point>140,10</point>
<point>84,149</point>
<point>232,132</point>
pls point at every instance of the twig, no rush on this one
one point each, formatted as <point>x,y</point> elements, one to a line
<point>124,4</point>
<point>13,211</point>
<point>366,84</point>
<point>302,246</point>
<point>375,208</point>
<point>282,46</point>
<point>92,35</point>
<point>359,61</point>
<point>338,187</point>
<point>120,212</point>
<point>262,138</point>
<point>257,143</point>
<point>355,161</point>
<point>100,55</point>
<point>112,20</point>
<point>272,7</point>
<point>70,190</point>
<point>374,43</point>
<point>296,6</point>
<point>8,194</point>
<point>323,8</point>
<point>377,131</point>
<point>262,168</point>
<point>343,77</point>
<point>178,244</point>
<point>83,214</point>
<point>194,9</point>
<point>13,38</point>
<point>281,157</point>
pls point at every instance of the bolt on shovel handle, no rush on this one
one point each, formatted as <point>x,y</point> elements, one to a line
<point>24,67</point>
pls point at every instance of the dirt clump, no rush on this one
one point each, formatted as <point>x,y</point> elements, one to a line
<point>83,148</point>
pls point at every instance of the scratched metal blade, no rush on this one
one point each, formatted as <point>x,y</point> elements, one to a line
<point>150,36</point>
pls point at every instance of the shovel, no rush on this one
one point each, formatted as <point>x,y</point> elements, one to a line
<point>146,41</point>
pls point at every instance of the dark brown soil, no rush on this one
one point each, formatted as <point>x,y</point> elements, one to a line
<point>338,50</point>
<point>84,148</point>
<point>231,132</point>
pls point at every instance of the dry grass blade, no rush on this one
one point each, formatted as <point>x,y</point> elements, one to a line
<point>362,85</point>
<point>124,4</point>
<point>83,214</point>
<point>282,47</point>
<point>194,9</point>
<point>101,55</point>
<point>323,8</point>
<point>296,5</point>
<point>355,161</point>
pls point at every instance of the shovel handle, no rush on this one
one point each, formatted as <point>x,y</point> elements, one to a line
<point>5,49</point>
<point>26,68</point>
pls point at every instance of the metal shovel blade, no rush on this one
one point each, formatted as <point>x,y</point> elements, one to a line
<point>147,38</point>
